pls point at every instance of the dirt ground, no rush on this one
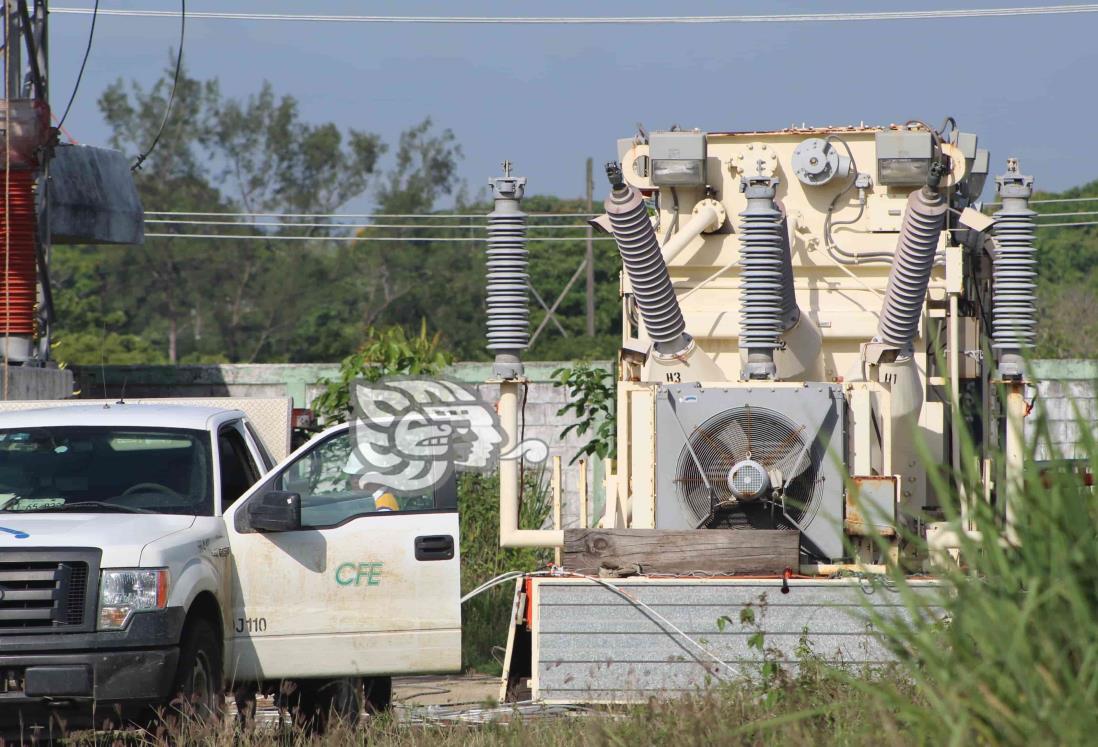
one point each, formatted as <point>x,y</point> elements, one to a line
<point>449,690</point>
<point>427,696</point>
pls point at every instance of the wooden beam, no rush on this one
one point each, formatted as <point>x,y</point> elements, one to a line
<point>718,551</point>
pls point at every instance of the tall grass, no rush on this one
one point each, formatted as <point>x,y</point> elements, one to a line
<point>485,617</point>
<point>1015,661</point>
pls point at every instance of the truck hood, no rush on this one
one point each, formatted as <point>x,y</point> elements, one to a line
<point>120,536</point>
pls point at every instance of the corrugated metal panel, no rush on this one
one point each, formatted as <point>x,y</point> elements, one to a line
<point>594,645</point>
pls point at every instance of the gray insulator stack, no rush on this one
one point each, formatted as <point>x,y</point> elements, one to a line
<point>762,273</point>
<point>648,277</point>
<point>508,280</point>
<point>1014,273</point>
<point>924,219</point>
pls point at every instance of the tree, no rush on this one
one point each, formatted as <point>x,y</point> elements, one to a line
<point>242,300</point>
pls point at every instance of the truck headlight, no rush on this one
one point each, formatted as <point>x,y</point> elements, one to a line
<point>124,591</point>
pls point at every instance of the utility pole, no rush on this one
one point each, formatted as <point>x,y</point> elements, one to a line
<point>13,42</point>
<point>590,260</point>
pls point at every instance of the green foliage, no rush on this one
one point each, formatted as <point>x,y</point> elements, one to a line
<point>387,352</point>
<point>592,400</point>
<point>485,616</point>
<point>1013,662</point>
<point>186,300</point>
<point>1067,272</point>
<point>177,299</point>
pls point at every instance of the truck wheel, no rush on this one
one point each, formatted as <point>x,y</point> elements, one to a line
<point>198,682</point>
<point>318,705</point>
<point>339,702</point>
<point>378,694</point>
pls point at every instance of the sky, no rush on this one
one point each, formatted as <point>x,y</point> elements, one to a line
<point>549,97</point>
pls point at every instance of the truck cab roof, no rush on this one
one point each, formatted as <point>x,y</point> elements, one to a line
<point>120,414</point>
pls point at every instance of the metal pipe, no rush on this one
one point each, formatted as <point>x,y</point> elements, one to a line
<point>1014,456</point>
<point>955,404</point>
<point>709,215</point>
<point>583,493</point>
<point>510,479</point>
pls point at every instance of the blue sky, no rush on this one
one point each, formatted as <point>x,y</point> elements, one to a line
<point>547,97</point>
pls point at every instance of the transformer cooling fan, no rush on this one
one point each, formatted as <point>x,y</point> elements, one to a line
<point>751,467</point>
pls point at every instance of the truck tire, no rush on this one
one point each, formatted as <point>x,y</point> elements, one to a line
<point>378,693</point>
<point>318,705</point>
<point>197,688</point>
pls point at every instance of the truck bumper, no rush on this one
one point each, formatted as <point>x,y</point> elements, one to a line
<point>79,680</point>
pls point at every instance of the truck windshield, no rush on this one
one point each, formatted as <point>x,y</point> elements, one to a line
<point>126,470</point>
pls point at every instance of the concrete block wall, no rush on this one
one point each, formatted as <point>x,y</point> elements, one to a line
<point>28,382</point>
<point>1067,397</point>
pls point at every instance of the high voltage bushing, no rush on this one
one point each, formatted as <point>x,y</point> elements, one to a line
<point>1014,272</point>
<point>640,254</point>
<point>762,275</point>
<point>924,219</point>
<point>508,279</point>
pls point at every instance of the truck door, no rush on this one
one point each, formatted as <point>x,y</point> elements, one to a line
<point>367,584</point>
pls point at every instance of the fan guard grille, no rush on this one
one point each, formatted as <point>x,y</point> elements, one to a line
<point>767,437</point>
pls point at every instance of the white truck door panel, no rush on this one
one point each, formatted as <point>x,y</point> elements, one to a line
<point>360,589</point>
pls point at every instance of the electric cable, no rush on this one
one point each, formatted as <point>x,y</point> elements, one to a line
<point>492,583</point>
<point>1049,201</point>
<point>7,209</point>
<point>832,248</point>
<point>1065,215</point>
<point>275,237</point>
<point>360,215</point>
<point>267,224</point>
<point>83,63</point>
<point>835,17</point>
<point>175,84</point>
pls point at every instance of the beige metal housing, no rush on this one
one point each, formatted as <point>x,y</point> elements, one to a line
<point>891,407</point>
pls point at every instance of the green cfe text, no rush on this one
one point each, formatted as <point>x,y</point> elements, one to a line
<point>356,574</point>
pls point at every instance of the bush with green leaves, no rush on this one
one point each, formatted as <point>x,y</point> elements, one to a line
<point>592,399</point>
<point>389,351</point>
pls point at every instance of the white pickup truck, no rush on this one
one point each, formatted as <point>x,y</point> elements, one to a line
<point>149,552</point>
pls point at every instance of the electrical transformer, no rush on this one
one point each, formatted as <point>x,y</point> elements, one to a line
<point>797,307</point>
<point>803,312</point>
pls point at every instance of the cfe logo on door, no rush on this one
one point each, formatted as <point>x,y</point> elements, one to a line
<point>359,574</point>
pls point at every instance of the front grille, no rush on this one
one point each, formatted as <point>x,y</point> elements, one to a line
<point>47,590</point>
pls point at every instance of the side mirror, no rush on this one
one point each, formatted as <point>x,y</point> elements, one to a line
<point>277,511</point>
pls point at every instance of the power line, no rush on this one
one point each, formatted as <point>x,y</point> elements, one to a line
<point>1061,199</point>
<point>456,226</point>
<point>175,84</point>
<point>359,215</point>
<point>430,239</point>
<point>84,62</point>
<point>1064,215</point>
<point>434,239</point>
<point>1049,201</point>
<point>902,15</point>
